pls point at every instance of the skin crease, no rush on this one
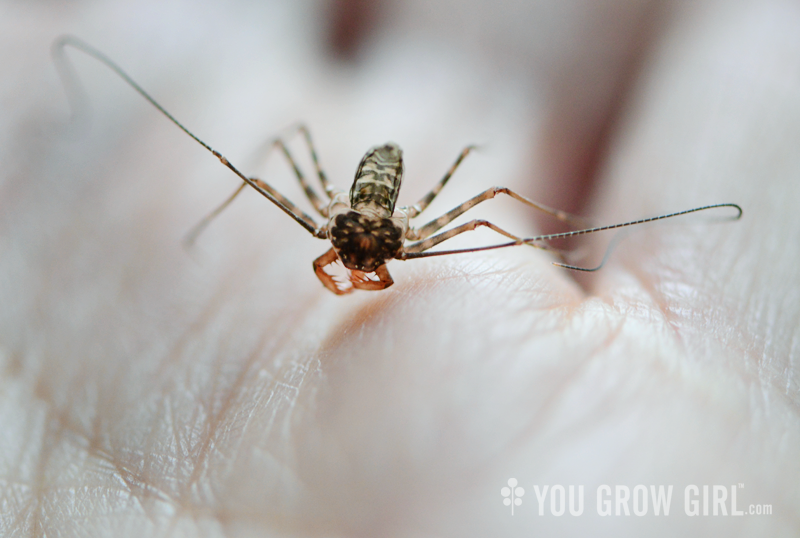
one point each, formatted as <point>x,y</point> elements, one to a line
<point>147,391</point>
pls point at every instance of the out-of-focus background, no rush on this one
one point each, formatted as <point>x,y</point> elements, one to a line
<point>113,337</point>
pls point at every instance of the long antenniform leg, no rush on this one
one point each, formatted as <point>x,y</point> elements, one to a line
<point>321,206</point>
<point>417,250</point>
<point>66,72</point>
<point>431,242</point>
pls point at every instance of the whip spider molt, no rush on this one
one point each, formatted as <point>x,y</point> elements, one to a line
<point>365,227</point>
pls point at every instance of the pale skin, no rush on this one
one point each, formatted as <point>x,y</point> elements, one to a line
<point>147,391</point>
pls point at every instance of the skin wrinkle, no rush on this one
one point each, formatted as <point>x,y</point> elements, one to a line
<point>648,285</point>
<point>231,395</point>
<point>19,515</point>
<point>794,351</point>
<point>130,478</point>
<point>55,437</point>
<point>548,401</point>
<point>176,351</point>
<point>277,383</point>
<point>561,387</point>
<point>41,491</point>
<point>26,508</point>
<point>673,319</point>
<point>140,488</point>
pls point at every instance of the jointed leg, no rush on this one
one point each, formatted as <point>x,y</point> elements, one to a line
<point>330,190</point>
<point>279,142</point>
<point>420,206</point>
<point>264,188</point>
<point>488,194</point>
<point>318,204</point>
<point>468,227</point>
<point>298,213</point>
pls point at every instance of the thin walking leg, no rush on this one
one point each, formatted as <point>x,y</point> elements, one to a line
<point>330,189</point>
<point>431,242</point>
<point>319,205</point>
<point>408,254</point>
<point>281,140</point>
<point>420,206</point>
<point>434,225</point>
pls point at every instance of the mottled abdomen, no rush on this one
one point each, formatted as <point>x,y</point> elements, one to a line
<point>377,182</point>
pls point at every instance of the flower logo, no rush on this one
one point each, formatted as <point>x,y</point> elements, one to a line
<point>512,494</point>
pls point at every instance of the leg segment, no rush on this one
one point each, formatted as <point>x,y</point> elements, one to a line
<point>261,185</point>
<point>434,225</point>
<point>319,205</point>
<point>467,227</point>
<point>295,212</point>
<point>330,190</point>
<point>280,142</point>
<point>420,206</point>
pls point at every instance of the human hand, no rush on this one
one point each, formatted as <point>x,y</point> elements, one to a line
<point>147,391</point>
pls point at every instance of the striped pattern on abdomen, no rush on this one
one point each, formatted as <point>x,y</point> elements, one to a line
<point>377,181</point>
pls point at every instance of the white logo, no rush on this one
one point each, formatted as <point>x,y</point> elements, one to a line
<point>512,494</point>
